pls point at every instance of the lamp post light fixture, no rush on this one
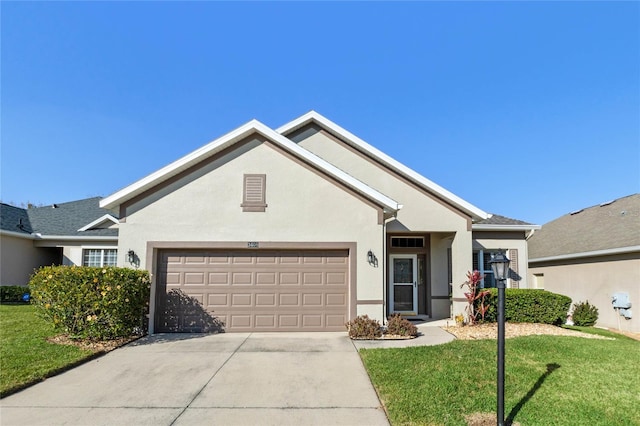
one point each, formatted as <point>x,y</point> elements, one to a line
<point>500,266</point>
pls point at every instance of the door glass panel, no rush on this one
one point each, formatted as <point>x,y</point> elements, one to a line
<point>403,271</point>
<point>403,298</point>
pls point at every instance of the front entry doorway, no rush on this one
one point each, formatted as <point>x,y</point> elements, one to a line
<point>403,276</point>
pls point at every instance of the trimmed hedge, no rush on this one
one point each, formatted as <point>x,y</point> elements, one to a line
<point>90,302</point>
<point>13,294</point>
<point>528,305</point>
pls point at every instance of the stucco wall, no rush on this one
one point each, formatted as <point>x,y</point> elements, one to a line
<point>19,257</point>
<point>507,241</point>
<point>303,206</point>
<point>421,212</point>
<point>596,280</point>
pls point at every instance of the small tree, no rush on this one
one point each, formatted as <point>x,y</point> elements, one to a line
<point>474,279</point>
<point>584,314</point>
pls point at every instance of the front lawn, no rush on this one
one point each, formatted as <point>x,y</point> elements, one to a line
<point>25,354</point>
<point>549,380</point>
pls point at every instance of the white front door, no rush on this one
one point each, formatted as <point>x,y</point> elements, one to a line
<point>403,279</point>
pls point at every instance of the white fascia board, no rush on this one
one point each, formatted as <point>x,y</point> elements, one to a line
<point>253,126</point>
<point>385,159</point>
<point>605,252</point>
<point>177,166</point>
<point>99,221</point>
<point>18,234</point>
<point>76,238</point>
<point>495,227</point>
<point>389,204</point>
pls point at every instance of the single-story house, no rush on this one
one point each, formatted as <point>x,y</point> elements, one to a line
<point>593,255</point>
<point>300,228</point>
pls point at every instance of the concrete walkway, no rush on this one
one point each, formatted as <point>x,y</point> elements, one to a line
<point>226,379</point>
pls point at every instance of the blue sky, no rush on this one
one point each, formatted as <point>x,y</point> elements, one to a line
<point>526,109</point>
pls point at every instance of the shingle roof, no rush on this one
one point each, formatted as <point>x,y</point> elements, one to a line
<point>14,219</point>
<point>496,219</point>
<point>610,225</point>
<point>58,220</point>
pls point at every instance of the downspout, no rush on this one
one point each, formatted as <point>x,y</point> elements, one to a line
<point>530,234</point>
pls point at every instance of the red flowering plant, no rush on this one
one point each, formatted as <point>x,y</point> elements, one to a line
<point>475,293</point>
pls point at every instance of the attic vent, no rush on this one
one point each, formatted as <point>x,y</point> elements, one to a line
<point>54,206</point>
<point>254,193</point>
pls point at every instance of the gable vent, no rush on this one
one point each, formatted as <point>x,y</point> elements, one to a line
<point>254,193</point>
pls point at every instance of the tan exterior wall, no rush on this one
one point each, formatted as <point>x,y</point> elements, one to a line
<point>303,206</point>
<point>19,257</point>
<point>596,280</point>
<point>440,300</point>
<point>506,241</point>
<point>421,212</point>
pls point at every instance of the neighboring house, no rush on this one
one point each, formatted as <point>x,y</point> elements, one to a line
<point>74,233</point>
<point>591,255</point>
<point>303,228</point>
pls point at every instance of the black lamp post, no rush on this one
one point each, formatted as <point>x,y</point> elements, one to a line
<point>500,265</point>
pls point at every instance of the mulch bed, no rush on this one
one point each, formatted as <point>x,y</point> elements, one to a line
<point>96,346</point>
<point>490,331</point>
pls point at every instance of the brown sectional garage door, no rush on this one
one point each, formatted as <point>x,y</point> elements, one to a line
<point>252,290</point>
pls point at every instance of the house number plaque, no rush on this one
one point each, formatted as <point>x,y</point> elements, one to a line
<point>253,244</point>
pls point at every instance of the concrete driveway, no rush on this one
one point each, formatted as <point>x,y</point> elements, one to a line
<point>226,379</point>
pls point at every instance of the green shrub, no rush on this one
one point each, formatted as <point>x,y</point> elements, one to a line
<point>399,326</point>
<point>13,294</point>
<point>528,305</point>
<point>584,314</point>
<point>89,302</point>
<point>363,327</point>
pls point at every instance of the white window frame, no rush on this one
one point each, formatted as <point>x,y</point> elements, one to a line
<point>479,255</point>
<point>103,251</point>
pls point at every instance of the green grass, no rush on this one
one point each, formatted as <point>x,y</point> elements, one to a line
<point>549,380</point>
<point>25,355</point>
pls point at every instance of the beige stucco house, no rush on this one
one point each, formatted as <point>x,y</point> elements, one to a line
<point>593,255</point>
<point>303,228</point>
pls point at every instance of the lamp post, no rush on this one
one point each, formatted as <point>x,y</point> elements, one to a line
<point>500,266</point>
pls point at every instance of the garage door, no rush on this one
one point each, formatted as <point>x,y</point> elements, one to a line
<point>243,290</point>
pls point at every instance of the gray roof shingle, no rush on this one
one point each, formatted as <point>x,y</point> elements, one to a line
<point>59,219</point>
<point>606,226</point>
<point>14,219</point>
<point>496,219</point>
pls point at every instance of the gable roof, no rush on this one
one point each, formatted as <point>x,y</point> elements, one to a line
<point>497,222</point>
<point>74,219</point>
<point>607,228</point>
<point>231,138</point>
<point>362,146</point>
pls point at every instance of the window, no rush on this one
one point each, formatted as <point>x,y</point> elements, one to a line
<point>407,242</point>
<point>99,257</point>
<point>254,193</point>
<point>481,263</point>
<point>538,281</point>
